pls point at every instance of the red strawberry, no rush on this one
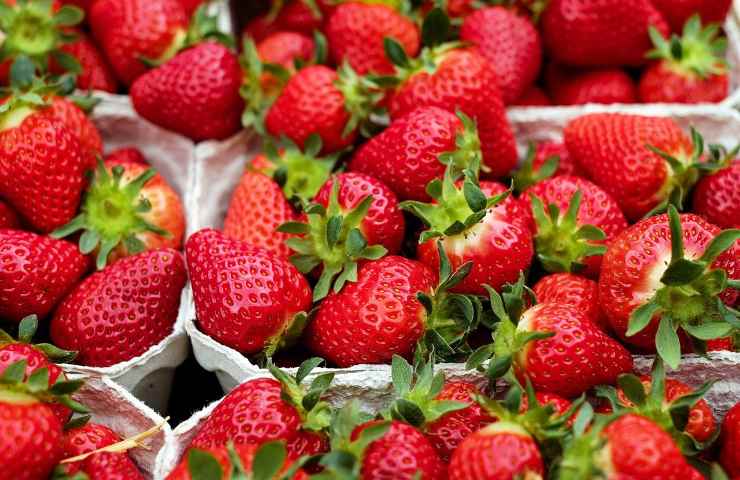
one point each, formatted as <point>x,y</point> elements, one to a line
<point>126,155</point>
<point>293,16</point>
<point>613,149</point>
<point>533,97</point>
<point>569,242</point>
<point>196,93</point>
<point>36,145</point>
<point>730,453</point>
<point>511,44</point>
<point>409,154</point>
<point>459,79</point>
<point>80,124</point>
<point>36,273</point>
<point>569,289</point>
<point>190,6</point>
<point>577,87</point>
<point>559,404</point>
<point>284,48</point>
<point>102,465</point>
<point>123,310</point>
<point>688,69</point>
<point>588,33</point>
<point>356,31</point>
<point>134,29</point>
<point>500,450</point>
<point>677,12</point>
<point>546,160</point>
<point>666,275</point>
<point>566,164</point>
<point>245,297</point>
<point>717,196</point>
<point>128,208</point>
<point>722,344</point>
<point>96,74</point>
<point>456,9</point>
<point>8,217</point>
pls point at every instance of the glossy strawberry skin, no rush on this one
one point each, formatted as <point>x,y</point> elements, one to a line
<point>80,124</point>
<point>403,453</point>
<point>510,43</point>
<point>126,155</point>
<point>36,272</point>
<point>30,439</point>
<point>244,295</point>
<point>283,48</point>
<point>196,93</point>
<point>660,83</point>
<point>579,87</point>
<point>559,404</point>
<point>634,263</point>
<point>676,12</point>
<point>8,217</point>
<point>103,465</point>
<point>730,440</point>
<point>600,32</point>
<point>42,147</point>
<point>311,103</point>
<point>495,453</point>
<point>464,80</point>
<point>570,289</point>
<point>717,197</point>
<point>451,429</point>
<point>374,318</point>
<point>96,73</point>
<point>127,31</point>
<point>611,149</point>
<point>295,16</point>
<point>190,6</point>
<point>533,97</point>
<point>356,31</point>
<point>566,164</point>
<point>384,223</point>
<point>120,312</point>
<point>578,357</point>
<point>500,246</point>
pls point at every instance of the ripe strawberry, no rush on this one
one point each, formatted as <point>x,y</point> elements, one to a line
<point>588,33</point>
<point>616,151</point>
<point>717,196</point>
<point>510,43</point>
<point>455,9</point>
<point>120,312</point>
<point>77,121</point>
<point>578,87</point>
<point>688,69</point>
<point>190,6</point>
<point>410,153</point>
<point>242,306</point>
<point>667,275</point>
<point>284,48</point>
<point>96,74</point>
<point>479,224</point>
<point>560,405</point>
<point>566,164</point>
<point>574,241</point>
<point>101,465</point>
<point>533,97</point>
<point>570,289</point>
<point>36,145</point>
<point>36,273</point>
<point>457,79</point>
<point>265,409</point>
<point>547,159</point>
<point>8,217</point>
<point>128,208</point>
<point>356,31</point>
<point>677,12</point>
<point>730,453</point>
<point>126,155</point>
<point>293,16</point>
<point>135,29</point>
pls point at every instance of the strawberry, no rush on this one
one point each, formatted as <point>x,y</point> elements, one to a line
<point>118,313</point>
<point>688,69</point>
<point>730,453</point>
<point>479,224</point>
<point>717,196</point>
<point>134,29</point>
<point>221,464</point>
<point>8,217</point>
<point>510,43</point>
<point>36,273</point>
<point>570,289</point>
<point>533,97</point>
<point>573,241</point>
<point>545,160</point>
<point>500,450</point>
<point>95,72</point>
<point>265,409</point>
<point>567,86</point>
<point>128,208</point>
<point>284,48</point>
<point>455,9</point>
<point>190,6</point>
<point>667,275</point>
<point>320,100</point>
<point>245,296</point>
<point>587,33</point>
<point>102,465</point>
<point>560,405</point>
<point>678,12</point>
<point>619,154</point>
<point>125,155</point>
<point>292,15</point>
<point>80,124</point>
<point>356,31</point>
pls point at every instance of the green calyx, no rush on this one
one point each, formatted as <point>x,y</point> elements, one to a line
<point>362,96</point>
<point>37,386</point>
<point>257,98</point>
<point>467,154</point>
<point>561,242</point>
<point>456,209</point>
<point>527,176</point>
<point>585,454</point>
<point>331,238</point>
<point>34,30</point>
<point>268,461</point>
<point>698,52</point>
<point>688,297</point>
<point>26,331</point>
<point>112,214</point>
<point>314,411</point>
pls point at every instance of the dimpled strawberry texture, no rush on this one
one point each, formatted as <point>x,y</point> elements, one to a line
<point>120,312</point>
<point>717,197</point>
<point>80,124</point>
<point>605,85</point>
<point>30,437</point>
<point>102,465</point>
<point>661,84</point>
<point>36,272</point>
<point>384,223</point>
<point>96,73</point>
<point>677,12</point>
<point>571,289</point>
<point>730,440</point>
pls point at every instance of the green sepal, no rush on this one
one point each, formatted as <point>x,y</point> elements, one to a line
<point>362,98</point>
<point>526,175</point>
<point>13,379</point>
<point>204,26</point>
<point>26,331</point>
